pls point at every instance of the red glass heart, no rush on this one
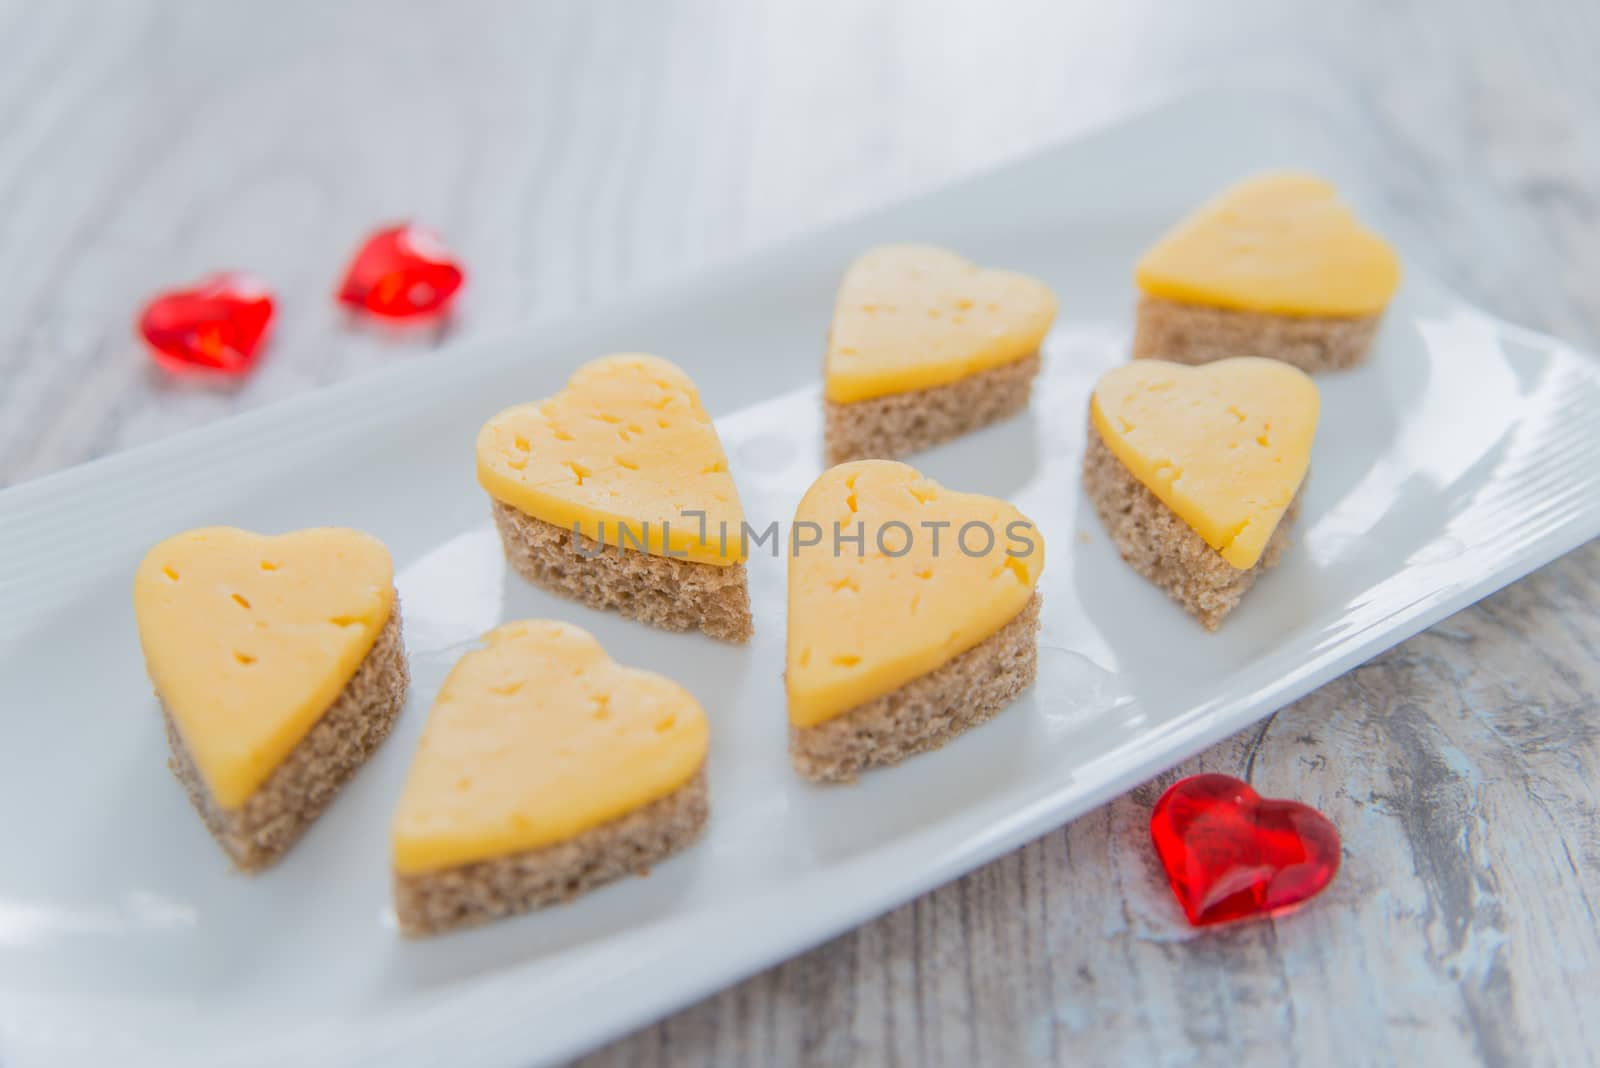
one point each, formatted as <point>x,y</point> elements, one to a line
<point>402,272</point>
<point>1231,855</point>
<point>214,328</point>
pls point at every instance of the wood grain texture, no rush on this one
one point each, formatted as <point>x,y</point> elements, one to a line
<point>569,149</point>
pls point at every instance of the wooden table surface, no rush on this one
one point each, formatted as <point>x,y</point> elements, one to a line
<point>571,149</point>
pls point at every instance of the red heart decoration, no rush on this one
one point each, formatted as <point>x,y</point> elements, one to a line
<point>401,272</point>
<point>1231,855</point>
<point>214,328</point>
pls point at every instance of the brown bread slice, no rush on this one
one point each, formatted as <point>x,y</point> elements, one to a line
<point>668,593</point>
<point>883,428</point>
<point>926,712</point>
<point>430,903</point>
<point>1200,333</point>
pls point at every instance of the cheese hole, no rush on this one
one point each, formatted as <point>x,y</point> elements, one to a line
<point>510,689</point>
<point>665,724</point>
<point>1014,565</point>
<point>268,565</point>
<point>241,602</point>
<point>629,464</point>
<point>244,658</point>
<point>714,468</point>
<point>848,660</point>
<point>607,417</point>
<point>663,422</point>
<point>463,784</point>
<point>847,583</point>
<point>522,444</point>
<point>171,574</point>
<point>935,313</point>
<point>966,305</point>
<point>925,573</point>
<point>804,659</point>
<point>345,621</point>
<point>561,435</point>
<point>579,471</point>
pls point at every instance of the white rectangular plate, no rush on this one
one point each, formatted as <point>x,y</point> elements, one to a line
<point>1464,455</point>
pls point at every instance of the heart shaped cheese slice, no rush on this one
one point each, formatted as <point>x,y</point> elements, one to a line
<point>1282,243</point>
<point>628,445</point>
<point>249,639</point>
<point>538,737</point>
<point>1225,445</point>
<point>915,316</point>
<point>933,574</point>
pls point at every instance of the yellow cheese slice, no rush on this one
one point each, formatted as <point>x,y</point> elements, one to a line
<point>938,572</point>
<point>1225,445</point>
<point>249,639</point>
<point>1282,243</point>
<point>536,738</point>
<point>627,445</point>
<point>915,316</point>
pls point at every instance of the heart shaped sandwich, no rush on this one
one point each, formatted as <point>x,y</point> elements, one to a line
<point>1196,471</point>
<point>616,492</point>
<point>279,666</point>
<point>913,613</point>
<point>926,346</point>
<point>545,769</point>
<point>1276,266</point>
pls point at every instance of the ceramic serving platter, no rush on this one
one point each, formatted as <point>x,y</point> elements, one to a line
<point>1464,455</point>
